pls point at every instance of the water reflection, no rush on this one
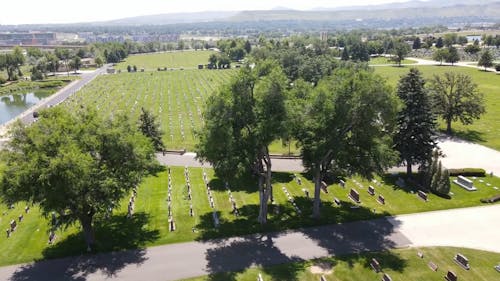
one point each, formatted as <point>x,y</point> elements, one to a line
<point>15,104</point>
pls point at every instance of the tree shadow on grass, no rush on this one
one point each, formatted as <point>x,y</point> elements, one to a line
<point>234,255</point>
<point>468,135</point>
<point>115,234</point>
<point>226,258</point>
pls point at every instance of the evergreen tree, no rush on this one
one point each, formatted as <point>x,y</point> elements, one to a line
<point>439,43</point>
<point>444,183</point>
<point>436,178</point>
<point>151,129</point>
<point>345,54</point>
<point>417,44</point>
<point>416,124</point>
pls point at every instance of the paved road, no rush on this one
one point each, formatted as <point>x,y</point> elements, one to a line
<point>471,227</point>
<point>457,154</point>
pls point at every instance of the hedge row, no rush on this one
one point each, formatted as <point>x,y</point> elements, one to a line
<point>467,172</point>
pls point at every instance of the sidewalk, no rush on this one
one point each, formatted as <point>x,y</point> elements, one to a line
<point>470,227</point>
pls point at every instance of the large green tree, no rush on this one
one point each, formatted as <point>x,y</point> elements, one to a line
<point>486,60</point>
<point>151,129</point>
<point>241,121</point>
<point>11,62</point>
<point>400,51</point>
<point>75,164</point>
<point>416,125</point>
<point>343,126</point>
<point>456,97</point>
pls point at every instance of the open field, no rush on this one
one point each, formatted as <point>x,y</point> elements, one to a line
<point>176,97</point>
<point>149,224</point>
<point>401,264</point>
<point>184,59</point>
<point>384,60</point>
<point>484,131</point>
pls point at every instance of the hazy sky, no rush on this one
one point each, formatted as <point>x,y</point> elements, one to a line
<point>64,11</point>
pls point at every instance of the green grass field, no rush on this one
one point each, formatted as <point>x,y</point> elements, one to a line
<point>486,130</point>
<point>384,60</point>
<point>184,59</point>
<point>149,225</point>
<point>176,97</point>
<point>401,265</point>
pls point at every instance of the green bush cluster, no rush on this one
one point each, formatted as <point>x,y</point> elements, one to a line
<point>437,177</point>
<point>467,172</point>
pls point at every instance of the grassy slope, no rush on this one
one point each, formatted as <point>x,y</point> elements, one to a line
<point>186,59</point>
<point>402,264</point>
<point>149,225</point>
<point>485,130</point>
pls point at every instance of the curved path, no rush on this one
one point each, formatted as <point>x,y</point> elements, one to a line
<point>470,227</point>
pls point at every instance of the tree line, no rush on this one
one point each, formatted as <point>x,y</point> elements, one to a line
<point>347,121</point>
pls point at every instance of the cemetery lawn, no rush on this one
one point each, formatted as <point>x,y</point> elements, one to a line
<point>484,131</point>
<point>177,98</point>
<point>400,264</point>
<point>384,60</point>
<point>176,59</point>
<point>149,224</point>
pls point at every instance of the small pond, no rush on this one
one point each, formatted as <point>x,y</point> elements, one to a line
<point>14,104</point>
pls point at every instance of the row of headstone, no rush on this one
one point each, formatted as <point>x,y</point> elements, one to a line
<point>171,222</point>
<point>375,265</point>
<point>188,184</point>
<point>14,223</point>
<point>291,200</point>
<point>209,191</point>
<point>232,201</point>
<point>131,203</point>
<point>215,216</point>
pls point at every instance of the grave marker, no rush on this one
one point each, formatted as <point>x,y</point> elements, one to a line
<point>422,195</point>
<point>462,261</point>
<point>337,201</point>
<point>381,199</point>
<point>386,277</point>
<point>354,196</point>
<point>342,183</point>
<point>324,187</point>
<point>450,276</point>
<point>375,265</point>
<point>371,190</point>
<point>465,183</point>
<point>432,266</point>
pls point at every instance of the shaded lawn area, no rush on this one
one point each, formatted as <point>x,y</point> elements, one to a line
<point>400,264</point>
<point>486,130</point>
<point>384,60</point>
<point>149,225</point>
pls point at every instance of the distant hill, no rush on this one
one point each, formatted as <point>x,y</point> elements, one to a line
<point>479,9</point>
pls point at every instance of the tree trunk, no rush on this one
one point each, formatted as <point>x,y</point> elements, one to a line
<point>88,230</point>
<point>263,202</point>
<point>448,127</point>
<point>408,169</point>
<point>317,193</point>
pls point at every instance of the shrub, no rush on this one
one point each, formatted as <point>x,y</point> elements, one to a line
<point>497,67</point>
<point>467,172</point>
<point>2,80</point>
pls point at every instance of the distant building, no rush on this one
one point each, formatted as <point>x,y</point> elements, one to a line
<point>28,38</point>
